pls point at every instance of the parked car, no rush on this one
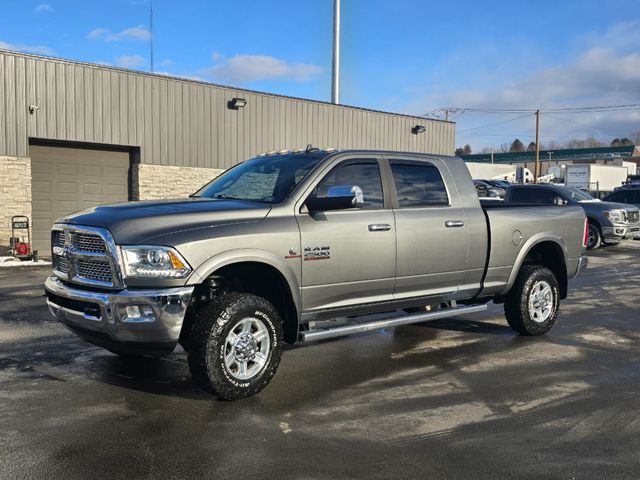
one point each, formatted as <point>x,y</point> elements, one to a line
<point>609,222</point>
<point>276,248</point>
<point>486,189</point>
<point>499,183</point>
<point>628,194</point>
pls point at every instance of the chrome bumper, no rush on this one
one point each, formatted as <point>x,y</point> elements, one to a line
<point>159,317</point>
<point>619,232</point>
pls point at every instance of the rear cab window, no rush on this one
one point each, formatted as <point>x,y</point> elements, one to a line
<point>418,184</point>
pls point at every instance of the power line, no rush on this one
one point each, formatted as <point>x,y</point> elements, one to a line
<point>589,109</point>
<point>495,123</point>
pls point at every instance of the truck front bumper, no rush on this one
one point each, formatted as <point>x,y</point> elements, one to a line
<point>616,233</point>
<point>128,321</point>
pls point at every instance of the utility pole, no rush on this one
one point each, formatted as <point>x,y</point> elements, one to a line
<point>335,73</point>
<point>537,174</point>
<point>151,34</point>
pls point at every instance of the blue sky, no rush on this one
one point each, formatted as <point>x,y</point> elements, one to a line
<point>408,56</point>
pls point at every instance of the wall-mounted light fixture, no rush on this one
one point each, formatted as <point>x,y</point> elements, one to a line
<point>418,129</point>
<point>236,103</point>
<point>33,109</point>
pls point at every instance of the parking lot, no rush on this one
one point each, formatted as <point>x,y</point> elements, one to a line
<point>462,398</point>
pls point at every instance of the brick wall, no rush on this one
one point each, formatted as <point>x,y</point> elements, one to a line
<point>15,194</point>
<point>152,182</point>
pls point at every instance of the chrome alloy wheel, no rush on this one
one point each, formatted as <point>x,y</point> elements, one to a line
<point>540,302</point>
<point>246,348</point>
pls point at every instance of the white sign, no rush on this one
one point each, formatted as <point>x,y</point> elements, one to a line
<point>578,176</point>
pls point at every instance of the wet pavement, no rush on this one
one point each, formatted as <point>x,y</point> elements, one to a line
<point>463,398</point>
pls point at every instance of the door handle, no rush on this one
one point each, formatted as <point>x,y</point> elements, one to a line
<point>454,223</point>
<point>379,227</point>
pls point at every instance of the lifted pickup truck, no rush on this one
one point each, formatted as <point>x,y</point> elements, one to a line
<point>279,247</point>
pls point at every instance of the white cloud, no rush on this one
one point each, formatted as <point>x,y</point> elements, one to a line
<point>251,68</point>
<point>43,8</point>
<point>605,71</point>
<point>167,62</point>
<point>132,33</point>
<point>97,33</point>
<point>131,61</point>
<point>37,49</point>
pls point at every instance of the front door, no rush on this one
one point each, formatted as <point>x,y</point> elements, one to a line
<point>432,231</point>
<point>348,256</point>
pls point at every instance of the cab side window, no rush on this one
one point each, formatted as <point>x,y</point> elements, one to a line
<point>418,185</point>
<point>622,197</point>
<point>362,174</point>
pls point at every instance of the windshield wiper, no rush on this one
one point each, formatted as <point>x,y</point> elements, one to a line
<point>222,196</point>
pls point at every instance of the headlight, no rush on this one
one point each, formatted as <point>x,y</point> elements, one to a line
<point>154,262</point>
<point>616,216</point>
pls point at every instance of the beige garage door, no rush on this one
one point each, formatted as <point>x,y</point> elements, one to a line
<point>65,180</point>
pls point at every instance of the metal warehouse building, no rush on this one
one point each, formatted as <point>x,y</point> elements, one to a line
<point>74,135</point>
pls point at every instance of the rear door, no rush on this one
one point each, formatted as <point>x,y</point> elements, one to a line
<point>432,232</point>
<point>348,256</point>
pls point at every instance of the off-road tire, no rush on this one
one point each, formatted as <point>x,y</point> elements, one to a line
<point>595,236</point>
<point>207,338</point>
<point>516,305</point>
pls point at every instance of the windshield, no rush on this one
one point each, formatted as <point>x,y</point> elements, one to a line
<point>264,179</point>
<point>577,195</point>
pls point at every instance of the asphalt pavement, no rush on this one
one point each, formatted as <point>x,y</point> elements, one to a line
<point>458,399</point>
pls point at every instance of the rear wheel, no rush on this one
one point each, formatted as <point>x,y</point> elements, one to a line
<point>595,237</point>
<point>531,307</point>
<point>235,345</point>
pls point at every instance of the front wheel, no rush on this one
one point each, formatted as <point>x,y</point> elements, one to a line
<point>235,345</point>
<point>595,237</point>
<point>531,307</point>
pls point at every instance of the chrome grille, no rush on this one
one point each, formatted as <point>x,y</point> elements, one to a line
<point>58,239</point>
<point>93,270</point>
<point>61,264</point>
<point>633,216</point>
<point>85,255</point>
<point>84,242</point>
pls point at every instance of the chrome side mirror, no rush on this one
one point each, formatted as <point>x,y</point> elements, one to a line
<point>353,191</point>
<point>339,197</point>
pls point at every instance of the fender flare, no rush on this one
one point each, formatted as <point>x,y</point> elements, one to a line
<point>241,255</point>
<point>526,248</point>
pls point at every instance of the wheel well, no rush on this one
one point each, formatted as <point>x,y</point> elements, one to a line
<point>267,282</point>
<point>594,222</point>
<point>550,255</point>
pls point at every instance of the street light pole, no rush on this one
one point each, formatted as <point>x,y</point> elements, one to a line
<point>335,73</point>
<point>537,174</point>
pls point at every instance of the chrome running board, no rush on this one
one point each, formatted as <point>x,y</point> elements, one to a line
<point>323,334</point>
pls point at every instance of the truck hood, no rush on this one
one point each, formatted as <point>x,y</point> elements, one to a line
<point>138,222</point>
<point>605,206</point>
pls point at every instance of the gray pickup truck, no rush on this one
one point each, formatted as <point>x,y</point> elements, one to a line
<point>305,246</point>
<point>609,222</point>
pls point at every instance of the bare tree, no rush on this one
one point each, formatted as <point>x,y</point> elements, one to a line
<point>504,147</point>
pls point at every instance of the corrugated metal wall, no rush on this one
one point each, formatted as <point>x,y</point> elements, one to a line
<point>181,122</point>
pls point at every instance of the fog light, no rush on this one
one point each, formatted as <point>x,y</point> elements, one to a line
<point>139,314</point>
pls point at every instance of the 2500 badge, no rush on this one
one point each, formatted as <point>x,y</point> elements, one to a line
<point>322,252</point>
